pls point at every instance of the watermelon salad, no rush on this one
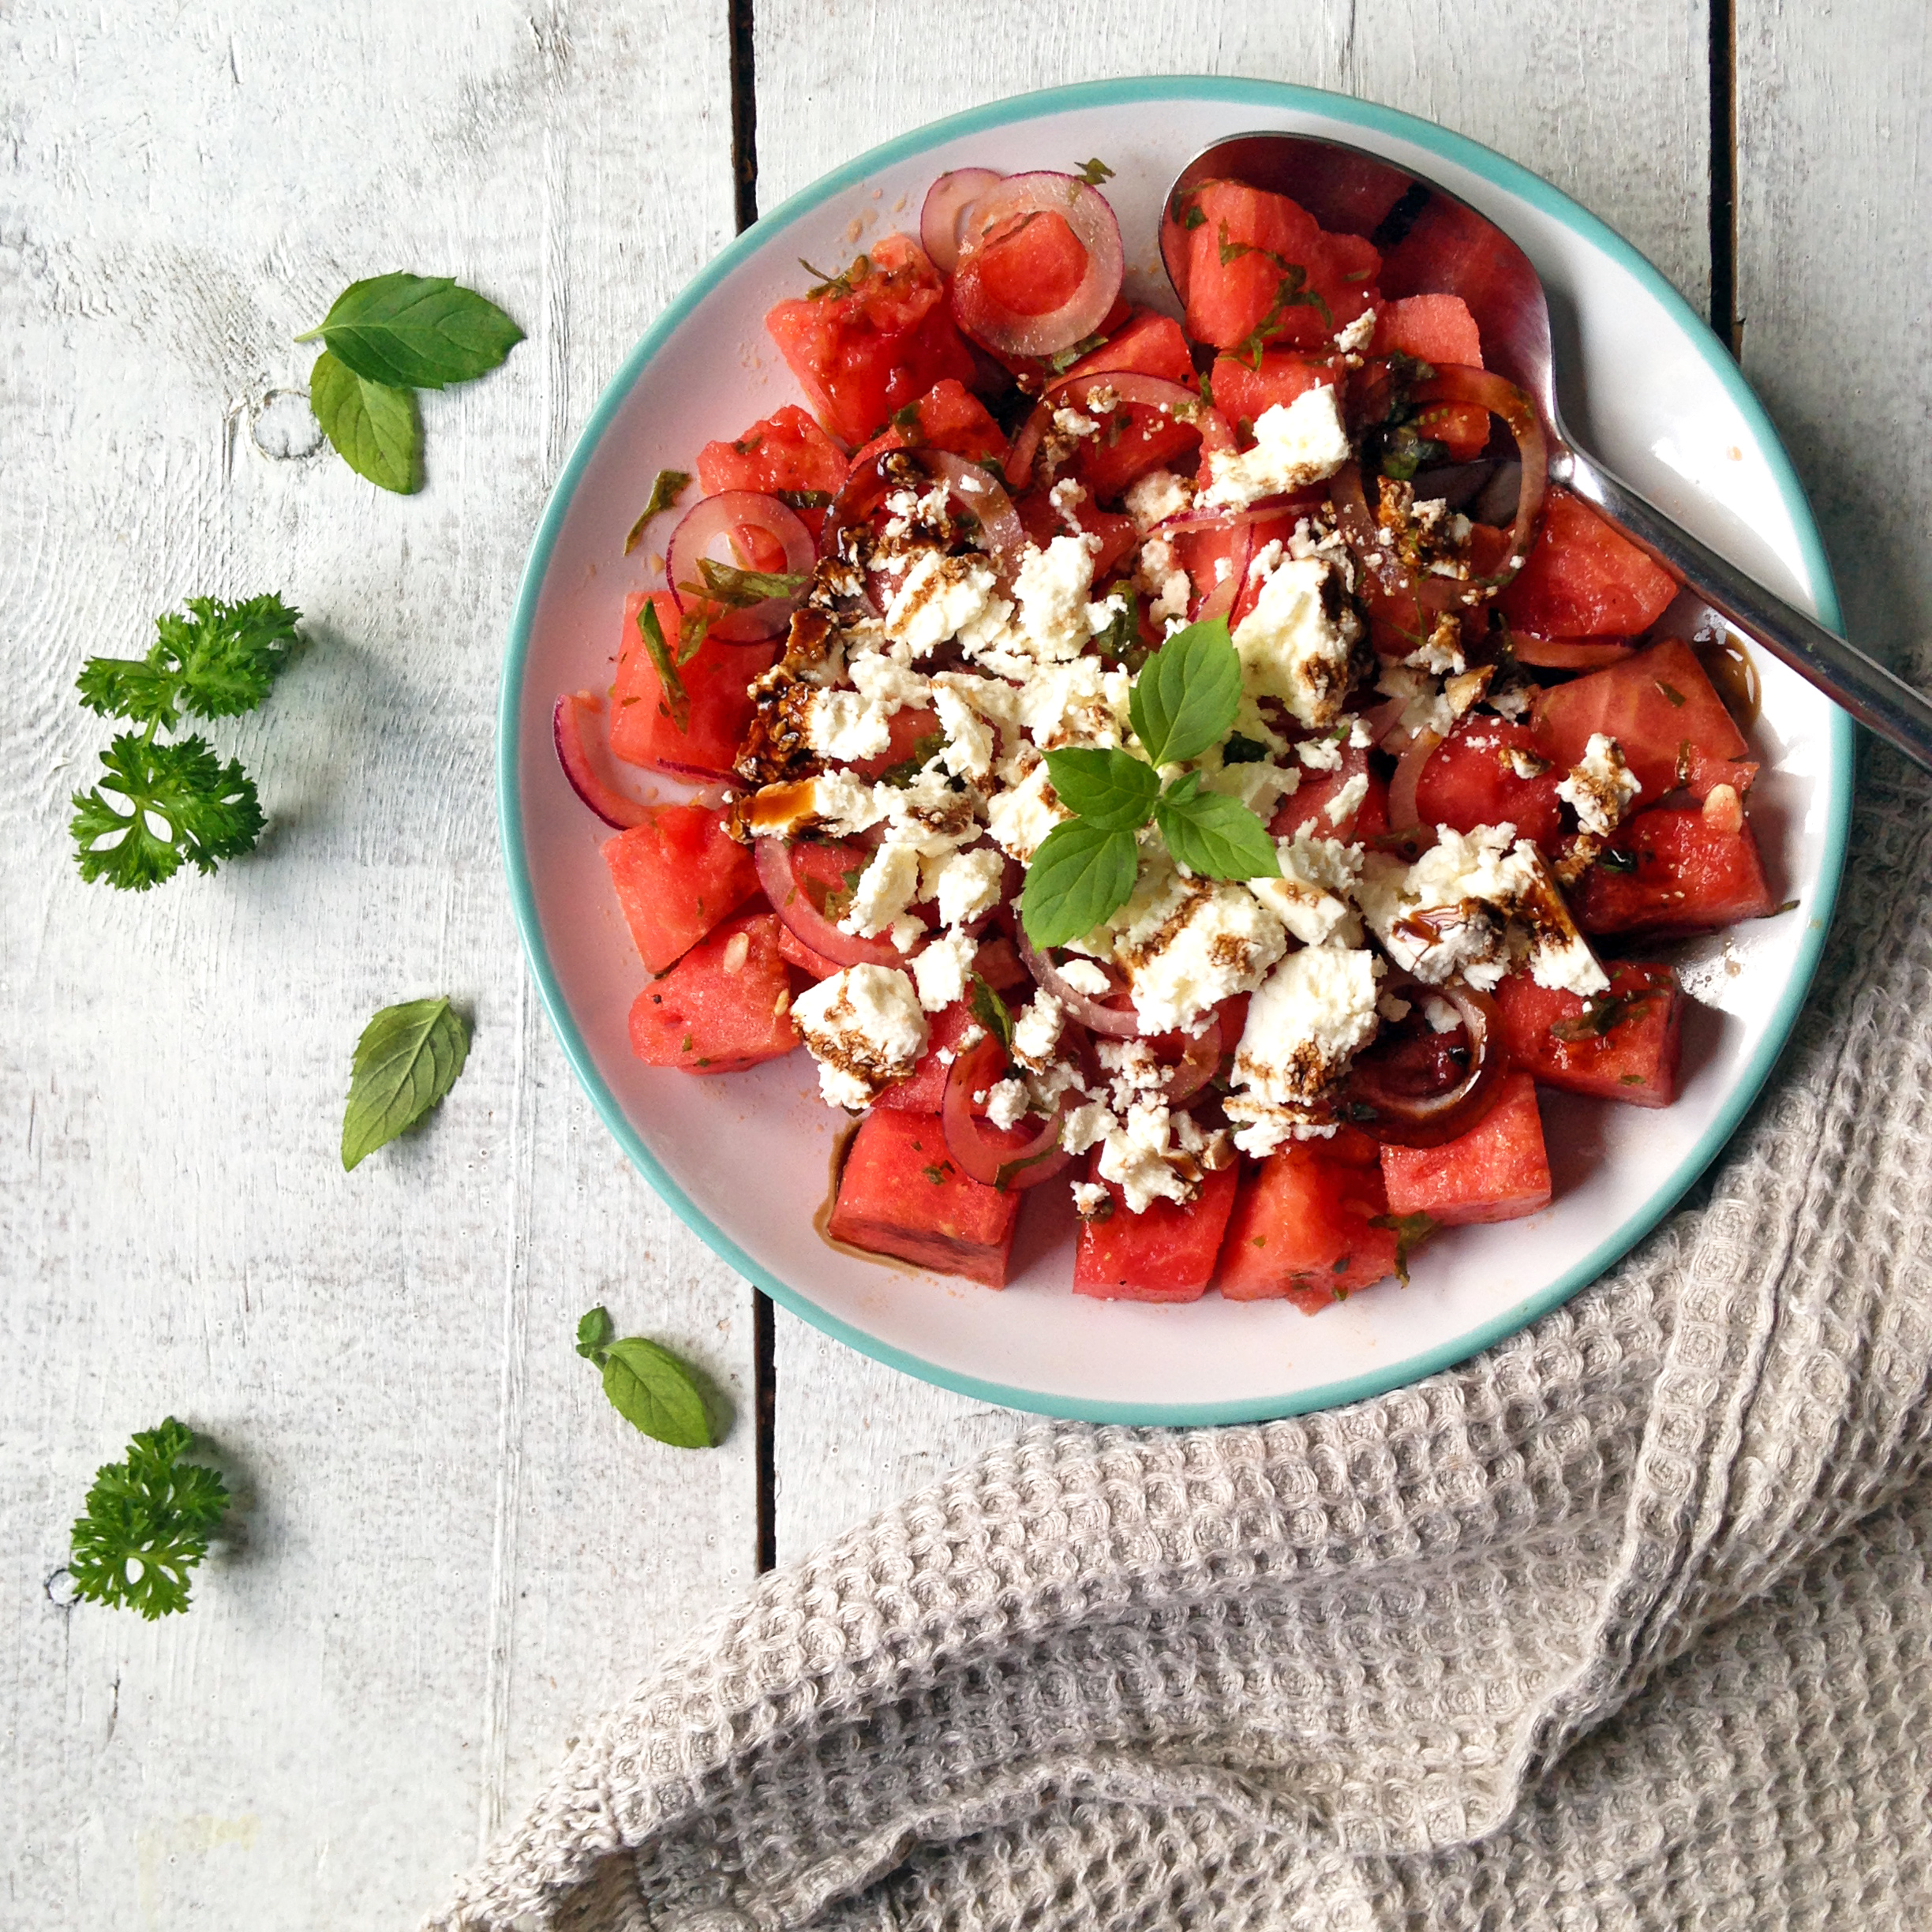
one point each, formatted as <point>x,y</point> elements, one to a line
<point>1199,762</point>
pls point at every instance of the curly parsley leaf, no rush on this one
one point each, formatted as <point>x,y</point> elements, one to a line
<point>676,699</point>
<point>406,1060</point>
<point>411,332</point>
<point>146,1524</point>
<point>1213,835</point>
<point>1188,693</point>
<point>1113,790</point>
<point>376,429</point>
<point>1081,874</point>
<point>217,660</point>
<point>183,805</point>
<point>670,486</point>
<point>647,1385</point>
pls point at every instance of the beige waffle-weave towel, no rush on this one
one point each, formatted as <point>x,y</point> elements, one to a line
<point>1624,1623</point>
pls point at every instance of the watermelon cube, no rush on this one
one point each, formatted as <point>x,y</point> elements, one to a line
<point>1242,392</point>
<point>1470,780</point>
<point>677,874</point>
<point>1674,868</point>
<point>1166,1253</point>
<point>807,959</point>
<point>726,1005</point>
<point>901,1195</point>
<point>948,417</point>
<point>643,730</point>
<point>1498,1171</point>
<point>1307,806</point>
<point>923,1090</point>
<point>1621,1045</point>
<point>1438,330</point>
<point>785,455</point>
<point>1136,439</point>
<point>1304,1229</point>
<point>1584,578</point>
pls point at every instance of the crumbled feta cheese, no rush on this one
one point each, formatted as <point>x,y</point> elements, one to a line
<point>846,725</point>
<point>1085,1126</point>
<point>906,932</point>
<point>1313,1013</point>
<point>1442,1017</point>
<point>1600,786</point>
<point>884,888</point>
<point>1020,816</point>
<point>1156,496</point>
<point>1446,914</point>
<point>1036,1032</point>
<point>1189,943</point>
<point>1426,708</point>
<point>1005,1103</point>
<point>941,596</point>
<point>1091,1199</point>
<point>1320,753</point>
<point>1347,800</point>
<point>1360,737</point>
<point>1392,1006</point>
<point>1296,444</point>
<point>963,884</point>
<point>1086,978</point>
<point>1054,585</point>
<point>1294,643</point>
<point>1354,337</point>
<point>1311,898</point>
<point>941,969</point>
<point>1066,496</point>
<point>844,805</point>
<point>1526,765</point>
<point>888,683</point>
<point>1080,703</point>
<point>971,740</point>
<point>864,1028</point>
<point>1072,423</point>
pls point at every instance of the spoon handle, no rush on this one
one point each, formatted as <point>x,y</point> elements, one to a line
<point>1884,704</point>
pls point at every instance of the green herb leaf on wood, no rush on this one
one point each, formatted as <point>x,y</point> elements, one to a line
<point>411,331</point>
<point>183,805</point>
<point>218,660</point>
<point>146,1524</point>
<point>647,1385</point>
<point>407,1059</point>
<point>375,429</point>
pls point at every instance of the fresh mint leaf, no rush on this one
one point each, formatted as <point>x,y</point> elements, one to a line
<point>1213,836</point>
<point>992,1013</point>
<point>407,1059</point>
<point>594,1334</point>
<point>1113,790</point>
<point>1080,875</point>
<point>1093,173</point>
<point>1122,634</point>
<point>1188,693</point>
<point>146,1524</point>
<point>1410,1230</point>
<point>676,700</point>
<point>670,486</point>
<point>656,1394</point>
<point>217,660</point>
<point>375,429</point>
<point>738,590</point>
<point>1242,750</point>
<point>183,805</point>
<point>411,331</point>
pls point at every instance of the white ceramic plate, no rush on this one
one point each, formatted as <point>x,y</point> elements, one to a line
<point>744,1159</point>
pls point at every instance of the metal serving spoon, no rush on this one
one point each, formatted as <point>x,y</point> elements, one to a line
<point>1430,240</point>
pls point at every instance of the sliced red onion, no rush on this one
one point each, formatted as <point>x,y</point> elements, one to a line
<point>1569,654</point>
<point>1089,1012</point>
<point>1401,797</point>
<point>1196,1066</point>
<point>949,206</point>
<point>1198,523</point>
<point>1026,445</point>
<point>727,514</point>
<point>1397,1119</point>
<point>983,1158</point>
<point>1219,600</point>
<point>580,762</point>
<point>974,488</point>
<point>790,900</point>
<point>1383,719</point>
<point>1084,210</point>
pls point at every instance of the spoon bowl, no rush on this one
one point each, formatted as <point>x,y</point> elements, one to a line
<point>1430,240</point>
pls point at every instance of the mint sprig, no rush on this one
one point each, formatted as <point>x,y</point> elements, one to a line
<point>1184,703</point>
<point>647,1385</point>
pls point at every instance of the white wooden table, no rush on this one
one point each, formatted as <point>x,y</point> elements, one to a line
<point>455,1554</point>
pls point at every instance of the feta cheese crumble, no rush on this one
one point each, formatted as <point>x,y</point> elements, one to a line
<point>1314,1012</point>
<point>1189,943</point>
<point>865,1028</point>
<point>1295,644</point>
<point>1296,444</point>
<point>1600,786</point>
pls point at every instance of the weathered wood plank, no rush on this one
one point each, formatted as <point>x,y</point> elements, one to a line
<point>455,1552</point>
<point>1834,258</point>
<point>1613,107</point>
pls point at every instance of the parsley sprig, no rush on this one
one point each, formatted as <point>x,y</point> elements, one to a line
<point>1184,703</point>
<point>146,1524</point>
<point>179,802</point>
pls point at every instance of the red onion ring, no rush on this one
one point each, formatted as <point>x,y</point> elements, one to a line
<point>986,1160</point>
<point>1085,211</point>
<point>1383,719</point>
<point>1220,600</point>
<point>1401,795</point>
<point>790,900</point>
<point>727,514</point>
<point>1196,1066</point>
<point>1089,1012</point>
<point>580,760</point>
<point>1193,521</point>
<point>975,489</point>
<point>1401,1119</point>
<point>948,207</point>
<point>1569,654</point>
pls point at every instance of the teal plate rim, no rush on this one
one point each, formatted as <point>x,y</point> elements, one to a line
<point>1492,167</point>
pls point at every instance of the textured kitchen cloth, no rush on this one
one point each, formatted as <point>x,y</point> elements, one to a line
<point>1625,1623</point>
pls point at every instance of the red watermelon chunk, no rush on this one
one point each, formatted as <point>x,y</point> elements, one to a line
<point>724,1006</point>
<point>901,1195</point>
<point>785,455</point>
<point>1135,439</point>
<point>1662,708</point>
<point>1497,1171</point>
<point>1583,578</point>
<point>1307,806</point>
<point>1438,330</point>
<point>948,417</point>
<point>1673,869</point>
<point>1164,1254</point>
<point>923,1091</point>
<point>1242,392</point>
<point>1621,1045</point>
<point>642,730</point>
<point>1468,782</point>
<point>807,959</point>
<point>1303,1225</point>
<point>998,963</point>
<point>677,874</point>
<point>878,338</point>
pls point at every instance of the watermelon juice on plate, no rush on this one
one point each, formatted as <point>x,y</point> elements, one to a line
<point>1164,764</point>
